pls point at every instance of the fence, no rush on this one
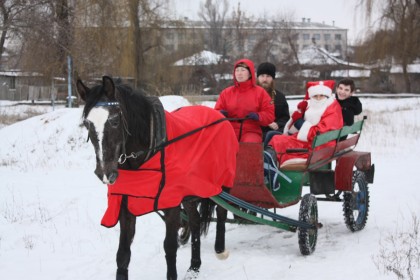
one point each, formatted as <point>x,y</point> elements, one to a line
<point>34,93</point>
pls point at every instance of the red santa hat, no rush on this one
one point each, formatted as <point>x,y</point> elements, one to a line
<point>319,88</point>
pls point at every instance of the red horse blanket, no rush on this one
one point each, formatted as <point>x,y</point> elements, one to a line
<point>199,165</point>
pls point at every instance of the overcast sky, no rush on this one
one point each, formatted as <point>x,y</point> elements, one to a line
<point>342,12</point>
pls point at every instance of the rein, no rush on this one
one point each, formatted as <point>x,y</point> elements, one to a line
<point>124,157</point>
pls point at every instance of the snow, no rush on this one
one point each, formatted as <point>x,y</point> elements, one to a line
<point>51,204</point>
<point>201,58</point>
<point>351,73</point>
<point>411,68</point>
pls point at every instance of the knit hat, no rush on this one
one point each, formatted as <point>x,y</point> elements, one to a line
<point>320,88</point>
<point>267,68</point>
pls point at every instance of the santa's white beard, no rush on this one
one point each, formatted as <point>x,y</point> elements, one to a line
<point>316,109</point>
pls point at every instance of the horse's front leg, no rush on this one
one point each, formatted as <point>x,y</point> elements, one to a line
<point>170,245</point>
<point>127,231</point>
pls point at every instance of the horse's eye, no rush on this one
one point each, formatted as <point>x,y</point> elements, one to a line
<point>114,120</point>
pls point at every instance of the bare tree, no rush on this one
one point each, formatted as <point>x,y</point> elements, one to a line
<point>402,20</point>
<point>238,33</point>
<point>45,34</point>
<point>213,13</point>
<point>12,21</point>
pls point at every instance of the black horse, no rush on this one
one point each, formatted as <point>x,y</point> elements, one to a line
<point>125,128</point>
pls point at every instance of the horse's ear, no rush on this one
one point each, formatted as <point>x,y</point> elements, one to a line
<point>109,87</point>
<point>82,89</point>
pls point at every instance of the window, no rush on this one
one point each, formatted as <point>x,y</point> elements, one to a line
<point>327,47</point>
<point>317,36</point>
<point>338,48</point>
<point>337,37</point>
<point>306,36</point>
<point>12,83</point>
<point>327,37</point>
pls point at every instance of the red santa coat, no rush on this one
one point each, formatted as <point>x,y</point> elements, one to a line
<point>243,98</point>
<point>197,165</point>
<point>330,119</point>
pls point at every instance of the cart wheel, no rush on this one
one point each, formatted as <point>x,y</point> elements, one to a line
<point>184,231</point>
<point>356,203</point>
<point>308,213</point>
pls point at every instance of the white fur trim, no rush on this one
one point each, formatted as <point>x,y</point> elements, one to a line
<point>287,125</point>
<point>304,130</point>
<point>293,161</point>
<point>293,130</point>
<point>319,89</point>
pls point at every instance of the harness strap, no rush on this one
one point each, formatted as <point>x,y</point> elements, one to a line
<point>163,143</point>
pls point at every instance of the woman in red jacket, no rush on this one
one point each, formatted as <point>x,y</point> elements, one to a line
<point>246,100</point>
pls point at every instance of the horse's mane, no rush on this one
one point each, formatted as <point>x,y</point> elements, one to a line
<point>135,106</point>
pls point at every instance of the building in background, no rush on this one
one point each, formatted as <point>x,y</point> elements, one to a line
<point>281,38</point>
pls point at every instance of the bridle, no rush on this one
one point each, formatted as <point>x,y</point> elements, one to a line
<point>124,156</point>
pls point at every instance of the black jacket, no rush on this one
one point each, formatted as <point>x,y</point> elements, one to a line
<point>350,108</point>
<point>281,112</point>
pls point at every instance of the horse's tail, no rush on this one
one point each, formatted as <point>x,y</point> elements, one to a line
<point>206,213</point>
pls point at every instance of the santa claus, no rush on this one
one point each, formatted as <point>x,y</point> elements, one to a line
<point>320,113</point>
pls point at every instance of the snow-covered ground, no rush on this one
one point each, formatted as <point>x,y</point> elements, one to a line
<point>51,204</point>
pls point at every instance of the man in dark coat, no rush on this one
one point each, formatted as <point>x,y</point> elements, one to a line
<point>266,73</point>
<point>350,105</point>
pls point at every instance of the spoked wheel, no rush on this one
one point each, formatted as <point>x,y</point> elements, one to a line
<point>308,213</point>
<point>356,203</point>
<point>184,231</point>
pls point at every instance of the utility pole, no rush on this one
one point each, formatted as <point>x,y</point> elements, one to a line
<point>69,81</point>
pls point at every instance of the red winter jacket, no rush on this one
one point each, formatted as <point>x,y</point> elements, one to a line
<point>244,98</point>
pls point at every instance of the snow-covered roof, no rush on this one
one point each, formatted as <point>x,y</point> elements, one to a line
<point>18,74</point>
<point>314,55</point>
<point>351,73</point>
<point>201,58</point>
<point>411,68</point>
<point>307,73</point>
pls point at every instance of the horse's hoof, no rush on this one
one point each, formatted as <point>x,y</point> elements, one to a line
<point>223,255</point>
<point>192,273</point>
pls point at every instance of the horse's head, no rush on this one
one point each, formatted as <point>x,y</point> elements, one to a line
<point>102,116</point>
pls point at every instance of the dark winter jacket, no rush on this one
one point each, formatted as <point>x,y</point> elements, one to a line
<point>350,107</point>
<point>281,112</point>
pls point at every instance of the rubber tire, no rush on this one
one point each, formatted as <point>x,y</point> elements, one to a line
<point>356,203</point>
<point>308,213</point>
<point>184,232</point>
